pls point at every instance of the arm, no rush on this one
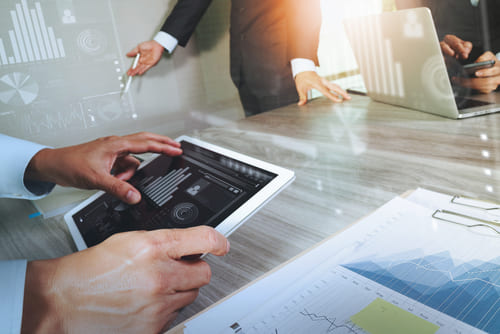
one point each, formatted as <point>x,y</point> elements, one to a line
<point>89,165</point>
<point>304,29</point>
<point>177,29</point>
<point>133,282</point>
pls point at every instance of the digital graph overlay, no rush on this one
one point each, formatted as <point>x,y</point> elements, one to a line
<point>30,39</point>
<point>18,89</point>
<point>469,291</point>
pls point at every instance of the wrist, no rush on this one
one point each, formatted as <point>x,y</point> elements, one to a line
<point>39,311</point>
<point>37,167</point>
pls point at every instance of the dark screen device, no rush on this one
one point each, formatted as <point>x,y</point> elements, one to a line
<point>471,68</point>
<point>206,185</point>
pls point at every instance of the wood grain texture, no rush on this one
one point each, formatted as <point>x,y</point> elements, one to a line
<point>349,159</point>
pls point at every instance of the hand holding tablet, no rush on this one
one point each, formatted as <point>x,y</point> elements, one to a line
<point>206,185</point>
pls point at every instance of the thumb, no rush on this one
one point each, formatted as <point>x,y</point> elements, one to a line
<point>124,191</point>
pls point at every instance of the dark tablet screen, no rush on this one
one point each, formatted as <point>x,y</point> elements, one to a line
<point>200,187</point>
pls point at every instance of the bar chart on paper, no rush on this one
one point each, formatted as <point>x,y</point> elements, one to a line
<point>396,271</point>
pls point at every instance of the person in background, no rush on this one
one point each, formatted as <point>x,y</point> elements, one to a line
<point>273,46</point>
<point>469,31</point>
<point>133,282</point>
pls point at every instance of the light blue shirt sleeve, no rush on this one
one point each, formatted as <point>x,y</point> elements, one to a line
<point>12,280</point>
<point>16,155</point>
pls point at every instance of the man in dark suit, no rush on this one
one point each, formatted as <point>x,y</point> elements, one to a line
<point>273,49</point>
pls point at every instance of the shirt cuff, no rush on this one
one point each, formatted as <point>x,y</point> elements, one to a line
<point>166,40</point>
<point>302,65</point>
<point>19,153</point>
<point>13,275</point>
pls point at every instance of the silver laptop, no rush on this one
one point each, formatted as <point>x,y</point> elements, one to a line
<point>401,63</point>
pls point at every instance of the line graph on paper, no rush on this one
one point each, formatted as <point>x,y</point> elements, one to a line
<point>440,278</point>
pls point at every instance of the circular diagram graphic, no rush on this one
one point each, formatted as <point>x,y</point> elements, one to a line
<point>18,89</point>
<point>92,42</point>
<point>184,213</point>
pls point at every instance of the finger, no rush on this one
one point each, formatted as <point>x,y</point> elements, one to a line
<point>326,92</point>
<point>302,97</point>
<point>142,146</point>
<point>336,88</point>
<point>154,136</point>
<point>459,46</point>
<point>179,275</point>
<point>488,72</point>
<point>447,50</point>
<point>196,240</point>
<point>120,189</point>
<point>488,55</point>
<point>125,167</point>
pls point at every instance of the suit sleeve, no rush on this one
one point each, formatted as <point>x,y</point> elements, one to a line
<point>304,24</point>
<point>184,18</point>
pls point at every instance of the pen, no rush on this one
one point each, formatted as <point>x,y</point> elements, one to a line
<point>134,65</point>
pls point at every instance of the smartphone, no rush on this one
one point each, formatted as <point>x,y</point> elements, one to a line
<point>471,68</point>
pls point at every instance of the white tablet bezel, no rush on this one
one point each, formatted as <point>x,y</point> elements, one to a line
<point>283,178</point>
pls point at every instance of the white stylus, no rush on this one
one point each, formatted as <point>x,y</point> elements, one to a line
<point>129,81</point>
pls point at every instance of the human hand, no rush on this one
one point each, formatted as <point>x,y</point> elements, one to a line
<point>455,47</point>
<point>305,81</point>
<point>150,51</point>
<point>133,282</point>
<point>486,80</point>
<point>89,165</point>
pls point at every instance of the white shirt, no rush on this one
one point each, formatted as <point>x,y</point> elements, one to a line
<point>16,155</point>
<point>299,65</point>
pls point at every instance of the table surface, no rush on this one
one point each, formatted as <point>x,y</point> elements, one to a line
<point>348,158</point>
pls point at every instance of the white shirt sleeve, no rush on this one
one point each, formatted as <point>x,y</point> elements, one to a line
<point>302,65</point>
<point>12,280</point>
<point>16,155</point>
<point>166,40</point>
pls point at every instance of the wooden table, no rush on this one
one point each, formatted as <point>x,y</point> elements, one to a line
<point>349,159</point>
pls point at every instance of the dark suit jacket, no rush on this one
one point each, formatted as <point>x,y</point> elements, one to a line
<point>265,36</point>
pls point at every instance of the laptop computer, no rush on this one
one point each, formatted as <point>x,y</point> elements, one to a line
<point>401,63</point>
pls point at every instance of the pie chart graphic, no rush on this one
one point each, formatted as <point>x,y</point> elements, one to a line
<point>18,89</point>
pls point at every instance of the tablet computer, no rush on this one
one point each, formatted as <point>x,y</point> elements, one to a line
<point>206,185</point>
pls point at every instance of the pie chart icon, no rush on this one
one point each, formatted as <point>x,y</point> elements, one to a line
<point>18,89</point>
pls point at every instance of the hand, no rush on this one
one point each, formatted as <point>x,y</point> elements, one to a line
<point>305,81</point>
<point>89,165</point>
<point>150,51</point>
<point>455,47</point>
<point>133,282</point>
<point>487,80</point>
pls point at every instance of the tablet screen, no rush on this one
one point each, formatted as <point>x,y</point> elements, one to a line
<point>200,187</point>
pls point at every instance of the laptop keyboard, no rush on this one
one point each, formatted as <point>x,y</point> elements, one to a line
<point>464,103</point>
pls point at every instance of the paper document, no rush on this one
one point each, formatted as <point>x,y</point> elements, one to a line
<point>396,271</point>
